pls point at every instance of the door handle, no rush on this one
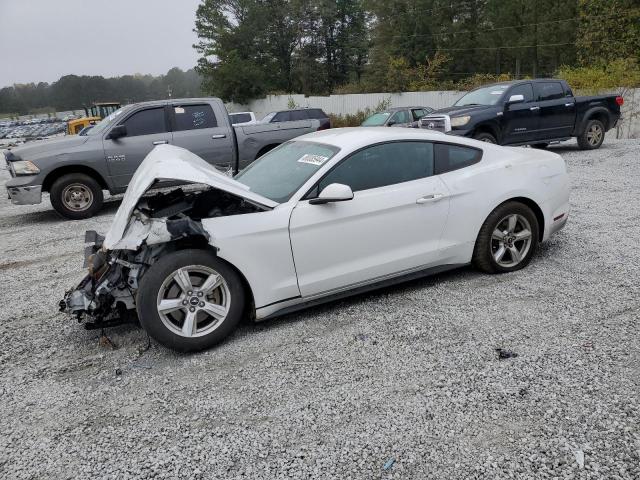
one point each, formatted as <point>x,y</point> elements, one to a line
<point>534,108</point>
<point>569,104</point>
<point>160,142</point>
<point>221,135</point>
<point>434,197</point>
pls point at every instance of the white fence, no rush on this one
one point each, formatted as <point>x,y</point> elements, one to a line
<point>351,103</point>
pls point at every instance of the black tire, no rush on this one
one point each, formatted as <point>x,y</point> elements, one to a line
<point>483,252</point>
<point>76,183</point>
<point>485,137</point>
<point>540,146</point>
<point>152,283</point>
<point>592,136</point>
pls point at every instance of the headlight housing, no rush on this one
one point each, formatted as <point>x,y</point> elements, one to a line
<point>460,121</point>
<point>24,167</point>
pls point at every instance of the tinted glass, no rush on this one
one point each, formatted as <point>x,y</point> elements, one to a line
<point>418,113</point>
<point>298,115</point>
<point>194,117</point>
<point>240,118</point>
<point>549,90</point>
<point>526,90</point>
<point>316,113</point>
<point>381,165</point>
<point>454,157</point>
<point>401,117</point>
<point>146,122</point>
<point>281,117</point>
<point>279,173</point>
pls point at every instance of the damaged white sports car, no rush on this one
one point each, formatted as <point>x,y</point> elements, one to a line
<point>323,216</point>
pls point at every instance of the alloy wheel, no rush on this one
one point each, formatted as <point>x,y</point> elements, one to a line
<point>594,134</point>
<point>193,301</point>
<point>511,240</point>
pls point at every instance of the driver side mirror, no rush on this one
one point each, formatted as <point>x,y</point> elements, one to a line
<point>117,132</point>
<point>336,192</point>
<point>515,99</point>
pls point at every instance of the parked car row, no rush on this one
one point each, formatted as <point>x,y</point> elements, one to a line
<point>32,130</point>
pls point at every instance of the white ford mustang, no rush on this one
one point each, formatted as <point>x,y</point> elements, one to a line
<point>322,216</point>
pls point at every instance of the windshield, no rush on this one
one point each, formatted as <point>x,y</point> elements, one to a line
<point>267,118</point>
<point>376,119</point>
<point>102,125</point>
<point>281,172</point>
<point>490,95</point>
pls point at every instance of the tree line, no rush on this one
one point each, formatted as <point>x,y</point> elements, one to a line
<point>73,92</point>
<point>253,47</point>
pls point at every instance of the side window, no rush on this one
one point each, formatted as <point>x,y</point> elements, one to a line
<point>194,117</point>
<point>549,91</point>
<point>526,90</point>
<point>401,117</point>
<point>454,157</point>
<point>239,118</point>
<point>418,113</point>
<point>282,117</point>
<point>298,115</point>
<point>381,165</point>
<point>146,122</point>
<point>316,113</point>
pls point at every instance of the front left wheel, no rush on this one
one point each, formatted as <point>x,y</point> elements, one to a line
<point>190,300</point>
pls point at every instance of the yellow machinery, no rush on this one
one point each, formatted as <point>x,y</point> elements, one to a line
<point>93,115</point>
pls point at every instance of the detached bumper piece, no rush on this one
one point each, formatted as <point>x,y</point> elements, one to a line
<point>29,195</point>
<point>103,298</point>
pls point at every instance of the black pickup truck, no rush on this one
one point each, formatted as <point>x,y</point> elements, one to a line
<point>528,112</point>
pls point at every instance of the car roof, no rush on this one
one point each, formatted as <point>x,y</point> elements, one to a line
<point>354,138</point>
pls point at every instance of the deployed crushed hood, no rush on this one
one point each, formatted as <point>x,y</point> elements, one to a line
<point>167,162</point>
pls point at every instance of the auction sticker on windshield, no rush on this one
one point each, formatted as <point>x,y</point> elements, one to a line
<point>316,160</point>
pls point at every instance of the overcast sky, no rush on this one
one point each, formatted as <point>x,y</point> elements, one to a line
<point>41,40</point>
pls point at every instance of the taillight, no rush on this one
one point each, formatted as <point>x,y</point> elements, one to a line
<point>619,100</point>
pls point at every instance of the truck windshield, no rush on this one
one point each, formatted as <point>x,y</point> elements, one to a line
<point>281,172</point>
<point>490,95</point>
<point>102,125</point>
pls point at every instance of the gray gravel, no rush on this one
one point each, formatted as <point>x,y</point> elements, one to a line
<point>407,377</point>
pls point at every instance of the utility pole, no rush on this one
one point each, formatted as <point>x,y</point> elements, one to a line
<point>535,39</point>
<point>169,91</point>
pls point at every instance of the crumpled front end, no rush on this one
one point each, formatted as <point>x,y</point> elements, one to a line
<point>147,227</point>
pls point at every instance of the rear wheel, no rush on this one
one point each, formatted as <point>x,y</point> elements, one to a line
<point>190,300</point>
<point>485,137</point>
<point>593,135</point>
<point>507,239</point>
<point>76,196</point>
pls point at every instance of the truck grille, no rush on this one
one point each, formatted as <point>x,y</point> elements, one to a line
<point>439,123</point>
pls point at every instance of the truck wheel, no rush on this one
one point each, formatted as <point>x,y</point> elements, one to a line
<point>76,196</point>
<point>485,137</point>
<point>190,300</point>
<point>592,136</point>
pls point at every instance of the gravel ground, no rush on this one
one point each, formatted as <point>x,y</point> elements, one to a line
<point>400,383</point>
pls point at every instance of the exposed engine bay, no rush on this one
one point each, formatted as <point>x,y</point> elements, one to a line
<point>159,223</point>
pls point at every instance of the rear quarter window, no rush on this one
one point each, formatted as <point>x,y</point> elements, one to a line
<point>454,157</point>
